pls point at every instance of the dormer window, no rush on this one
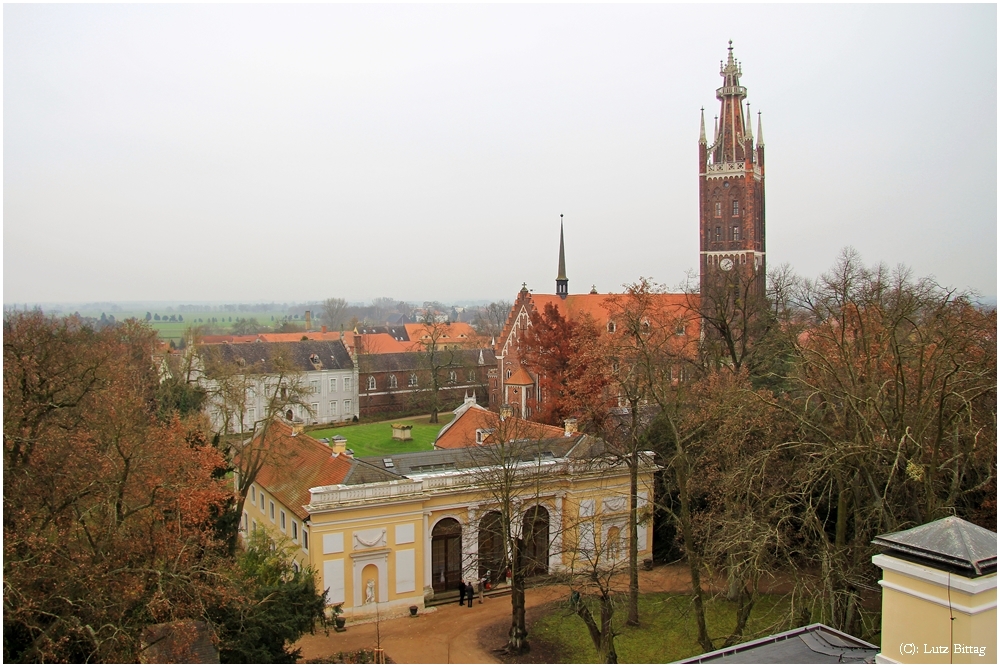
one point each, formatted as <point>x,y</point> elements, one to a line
<point>611,327</point>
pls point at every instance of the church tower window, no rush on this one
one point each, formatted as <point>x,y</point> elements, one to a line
<point>736,207</point>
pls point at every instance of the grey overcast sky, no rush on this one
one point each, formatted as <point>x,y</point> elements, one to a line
<point>244,153</point>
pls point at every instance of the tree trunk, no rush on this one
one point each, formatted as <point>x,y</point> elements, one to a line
<point>434,416</point>
<point>693,559</point>
<point>603,637</point>
<point>633,540</point>
<point>517,640</point>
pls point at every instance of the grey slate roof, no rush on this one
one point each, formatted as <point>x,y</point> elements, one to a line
<point>260,356</point>
<point>396,331</point>
<point>951,544</point>
<point>814,644</point>
<point>441,460</point>
<point>411,361</point>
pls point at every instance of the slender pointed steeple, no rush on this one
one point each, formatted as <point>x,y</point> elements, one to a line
<point>749,129</point>
<point>703,139</point>
<point>562,282</point>
<point>760,131</point>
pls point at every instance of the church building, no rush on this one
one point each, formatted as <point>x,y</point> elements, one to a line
<point>731,222</point>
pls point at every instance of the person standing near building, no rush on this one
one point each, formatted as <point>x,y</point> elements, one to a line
<point>469,591</point>
<point>461,593</point>
<point>482,589</point>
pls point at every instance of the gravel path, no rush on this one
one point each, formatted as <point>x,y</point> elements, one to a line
<point>451,634</point>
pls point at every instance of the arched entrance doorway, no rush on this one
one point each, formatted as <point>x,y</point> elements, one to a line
<point>536,541</point>
<point>492,554</point>
<point>446,555</point>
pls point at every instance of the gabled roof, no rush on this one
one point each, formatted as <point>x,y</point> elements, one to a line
<point>461,432</point>
<point>453,332</point>
<point>413,361</point>
<point>815,644</point>
<point>298,463</point>
<point>260,357</point>
<point>382,343</point>
<point>520,378</point>
<point>270,337</point>
<point>952,544</point>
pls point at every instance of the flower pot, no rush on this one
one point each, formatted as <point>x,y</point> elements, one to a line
<point>413,610</point>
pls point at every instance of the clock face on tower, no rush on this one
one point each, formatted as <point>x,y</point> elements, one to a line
<point>726,264</point>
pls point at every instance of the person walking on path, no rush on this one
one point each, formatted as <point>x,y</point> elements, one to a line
<point>482,589</point>
<point>461,593</point>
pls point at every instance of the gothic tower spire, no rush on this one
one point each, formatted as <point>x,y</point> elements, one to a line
<point>731,191</point>
<point>562,282</point>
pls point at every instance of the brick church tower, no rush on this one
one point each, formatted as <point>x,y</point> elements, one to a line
<point>731,191</point>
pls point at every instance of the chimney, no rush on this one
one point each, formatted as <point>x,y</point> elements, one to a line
<point>338,444</point>
<point>939,585</point>
<point>323,328</point>
<point>309,320</point>
<point>570,423</point>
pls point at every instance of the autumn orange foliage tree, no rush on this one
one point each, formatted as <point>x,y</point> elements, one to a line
<point>109,512</point>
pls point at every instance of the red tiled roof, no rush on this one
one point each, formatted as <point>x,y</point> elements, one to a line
<point>271,337</point>
<point>452,333</point>
<point>462,431</point>
<point>383,343</point>
<point>520,378</point>
<point>297,464</point>
<point>575,306</point>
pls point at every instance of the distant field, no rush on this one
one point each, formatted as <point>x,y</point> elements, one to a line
<point>166,329</point>
<point>376,439</point>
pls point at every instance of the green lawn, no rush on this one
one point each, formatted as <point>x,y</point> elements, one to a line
<point>669,631</point>
<point>376,439</point>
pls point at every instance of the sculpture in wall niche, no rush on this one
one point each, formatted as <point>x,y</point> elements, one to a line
<point>370,591</point>
<point>366,539</point>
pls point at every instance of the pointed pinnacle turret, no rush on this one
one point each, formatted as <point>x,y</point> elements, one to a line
<point>703,140</point>
<point>760,131</point>
<point>749,129</point>
<point>562,252</point>
<point>562,282</point>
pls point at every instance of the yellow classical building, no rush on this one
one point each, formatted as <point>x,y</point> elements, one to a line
<point>397,531</point>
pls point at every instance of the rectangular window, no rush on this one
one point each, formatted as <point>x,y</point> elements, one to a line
<point>282,520</point>
<point>736,207</point>
<point>718,209</point>
<point>295,530</point>
<point>253,493</point>
<point>261,501</point>
<point>271,504</point>
<point>347,407</point>
<point>246,521</point>
<point>251,416</point>
<point>254,523</point>
<point>315,409</point>
<point>333,385</point>
<point>348,385</point>
<point>314,386</point>
<point>333,408</point>
<point>736,233</point>
<point>305,539</point>
<point>718,233</point>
